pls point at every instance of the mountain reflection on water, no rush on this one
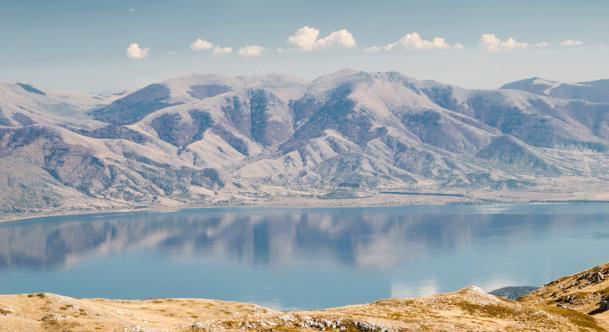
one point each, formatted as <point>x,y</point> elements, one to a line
<point>407,250</point>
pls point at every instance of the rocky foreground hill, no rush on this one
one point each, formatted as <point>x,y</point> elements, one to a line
<point>574,303</point>
<point>208,140</point>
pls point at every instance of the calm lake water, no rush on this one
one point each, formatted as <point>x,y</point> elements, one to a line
<point>301,258</point>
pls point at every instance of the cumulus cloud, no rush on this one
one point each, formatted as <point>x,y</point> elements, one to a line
<point>135,51</point>
<point>201,45</point>
<point>489,42</point>
<point>571,42</point>
<point>251,50</point>
<point>414,40</point>
<point>204,45</point>
<point>307,39</point>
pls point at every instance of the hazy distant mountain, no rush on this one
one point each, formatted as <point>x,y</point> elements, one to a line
<point>594,91</point>
<point>207,138</point>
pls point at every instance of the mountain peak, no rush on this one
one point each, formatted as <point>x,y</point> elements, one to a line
<point>535,85</point>
<point>592,91</point>
<point>345,72</point>
<point>20,88</point>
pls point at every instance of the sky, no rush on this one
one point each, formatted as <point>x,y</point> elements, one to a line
<point>111,45</point>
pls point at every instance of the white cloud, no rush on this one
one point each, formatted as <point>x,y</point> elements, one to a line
<point>415,41</point>
<point>307,39</point>
<point>201,45</point>
<point>571,42</point>
<point>489,42</point>
<point>204,45</point>
<point>374,49</point>
<point>222,50</point>
<point>134,51</point>
<point>340,38</point>
<point>251,50</point>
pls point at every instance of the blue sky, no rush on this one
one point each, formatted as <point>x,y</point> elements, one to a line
<point>82,45</point>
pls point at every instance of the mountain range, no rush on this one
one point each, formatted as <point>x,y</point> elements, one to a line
<point>209,139</point>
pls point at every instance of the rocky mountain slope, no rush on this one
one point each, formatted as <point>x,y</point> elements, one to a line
<point>209,139</point>
<point>586,292</point>
<point>469,309</point>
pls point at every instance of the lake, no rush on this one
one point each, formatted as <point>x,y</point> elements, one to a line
<point>301,258</point>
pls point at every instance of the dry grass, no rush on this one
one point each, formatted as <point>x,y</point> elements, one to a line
<point>467,309</point>
<point>577,318</point>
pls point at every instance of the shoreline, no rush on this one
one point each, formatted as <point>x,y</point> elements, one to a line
<point>273,202</point>
<point>308,203</point>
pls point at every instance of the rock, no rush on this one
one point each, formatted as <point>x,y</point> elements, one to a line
<point>372,327</point>
<point>198,325</point>
<point>604,304</point>
<point>592,277</point>
<point>569,299</point>
<point>477,295</point>
<point>51,318</point>
<point>210,326</point>
<point>321,324</point>
<point>5,311</point>
<point>134,328</point>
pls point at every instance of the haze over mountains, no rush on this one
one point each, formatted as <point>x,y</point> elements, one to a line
<point>209,139</point>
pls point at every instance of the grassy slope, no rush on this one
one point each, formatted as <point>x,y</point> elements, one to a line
<point>583,292</point>
<point>467,309</point>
